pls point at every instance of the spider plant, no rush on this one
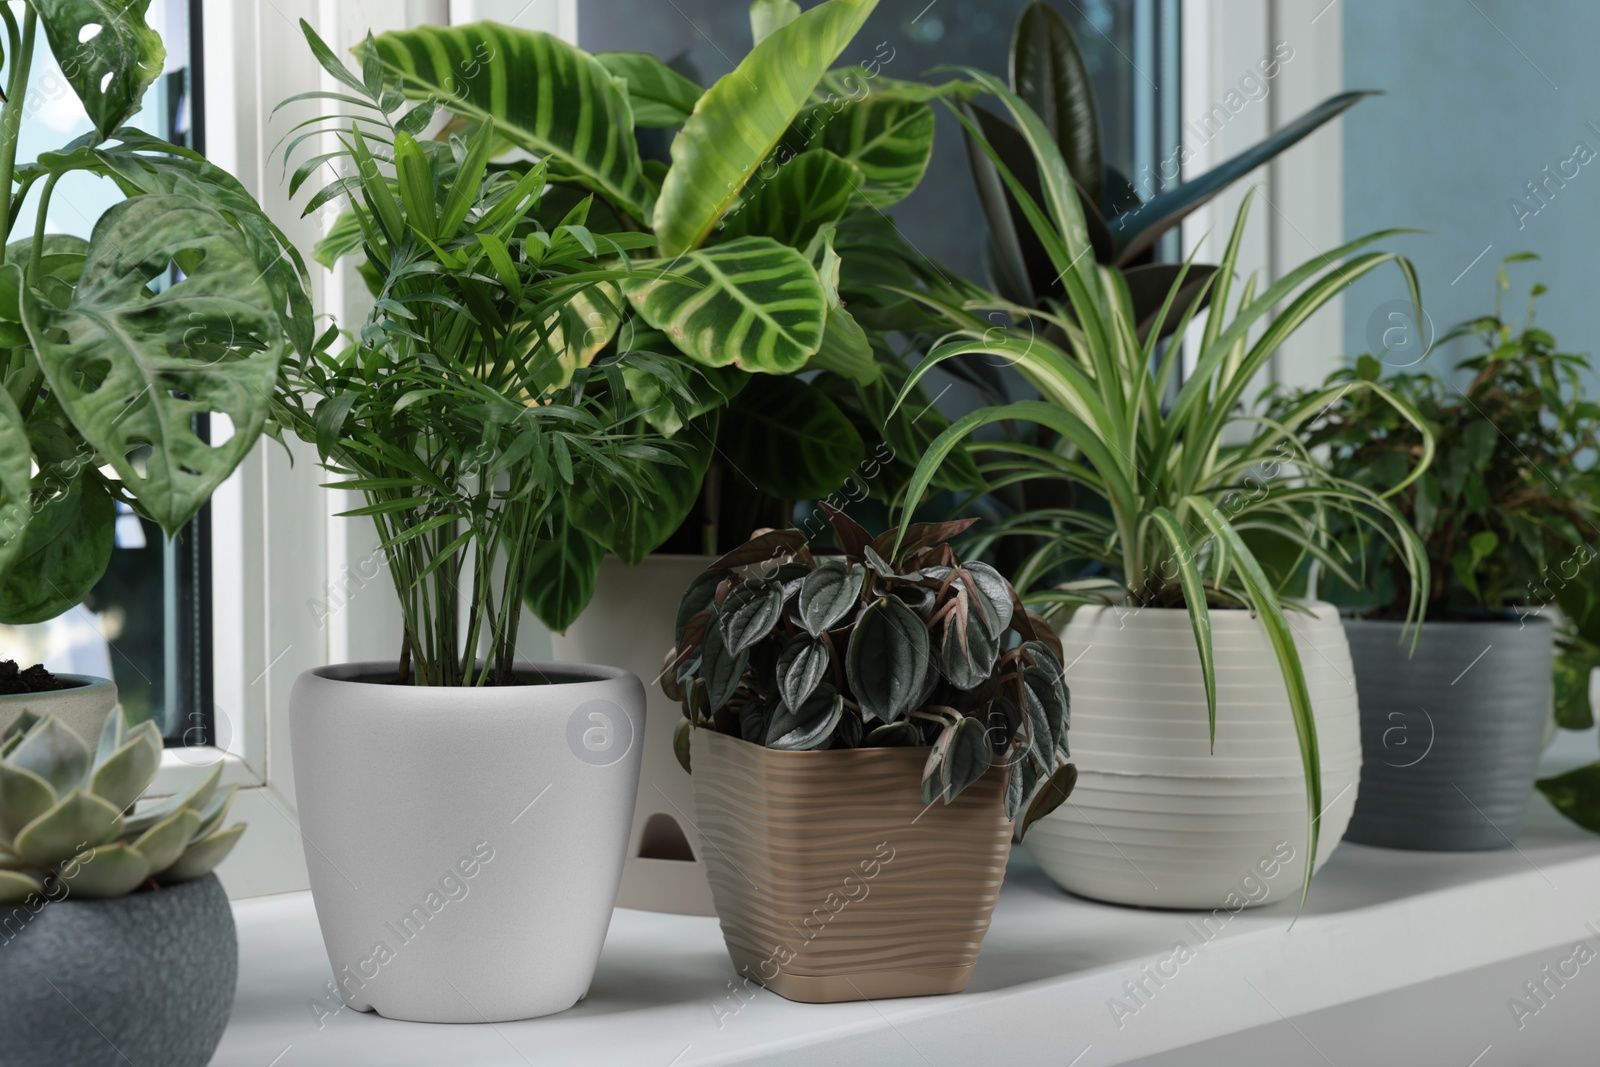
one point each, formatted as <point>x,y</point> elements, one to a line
<point>1199,504</point>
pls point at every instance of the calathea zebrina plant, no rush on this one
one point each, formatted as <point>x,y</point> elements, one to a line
<point>101,373</point>
<point>67,820</point>
<point>764,208</point>
<point>462,413</point>
<point>895,642</point>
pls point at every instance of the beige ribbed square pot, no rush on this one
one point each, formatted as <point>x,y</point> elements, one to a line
<point>832,879</point>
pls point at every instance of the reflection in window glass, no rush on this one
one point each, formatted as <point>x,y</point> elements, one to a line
<point>142,625</point>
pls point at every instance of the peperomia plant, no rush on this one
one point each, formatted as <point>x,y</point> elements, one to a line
<point>763,219</point>
<point>469,404</point>
<point>106,369</point>
<point>895,642</point>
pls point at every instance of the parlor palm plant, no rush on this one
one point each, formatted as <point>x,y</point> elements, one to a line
<point>1196,505</point>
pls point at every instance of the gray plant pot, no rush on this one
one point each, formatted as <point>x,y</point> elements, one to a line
<point>142,979</point>
<point>82,708</point>
<point>1450,736</point>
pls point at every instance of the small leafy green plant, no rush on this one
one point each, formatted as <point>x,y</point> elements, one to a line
<point>67,825</point>
<point>895,642</point>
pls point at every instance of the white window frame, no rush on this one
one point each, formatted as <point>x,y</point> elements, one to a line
<point>290,583</point>
<point>1298,212</point>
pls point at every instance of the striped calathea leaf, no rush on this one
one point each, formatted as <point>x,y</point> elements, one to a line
<point>916,648</point>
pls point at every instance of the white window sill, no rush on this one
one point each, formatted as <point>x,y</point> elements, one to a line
<point>1401,957</point>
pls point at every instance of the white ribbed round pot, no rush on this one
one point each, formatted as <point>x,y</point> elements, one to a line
<point>464,844</point>
<point>1158,819</point>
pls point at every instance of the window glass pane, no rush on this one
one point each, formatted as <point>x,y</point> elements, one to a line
<point>142,624</point>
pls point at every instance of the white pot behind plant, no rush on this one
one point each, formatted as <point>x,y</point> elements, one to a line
<point>1157,818</point>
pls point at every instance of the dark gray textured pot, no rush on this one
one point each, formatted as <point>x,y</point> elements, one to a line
<point>146,979</point>
<point>1450,736</point>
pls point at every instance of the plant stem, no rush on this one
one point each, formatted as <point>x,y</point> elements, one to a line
<point>11,114</point>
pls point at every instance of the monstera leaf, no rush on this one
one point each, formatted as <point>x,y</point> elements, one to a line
<point>63,551</point>
<point>529,85</point>
<point>133,369</point>
<point>108,53</point>
<point>790,440</point>
<point>740,120</point>
<point>16,457</point>
<point>751,302</point>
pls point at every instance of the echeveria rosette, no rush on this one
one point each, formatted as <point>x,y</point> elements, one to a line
<point>877,647</point>
<point>67,821</point>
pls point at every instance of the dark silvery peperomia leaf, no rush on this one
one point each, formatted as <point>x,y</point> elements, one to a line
<point>810,725</point>
<point>888,659</point>
<point>829,594</point>
<point>1040,686</point>
<point>750,612</point>
<point>1052,796</point>
<point>967,649</point>
<point>720,667</point>
<point>803,664</point>
<point>995,591</point>
<point>967,757</point>
<point>697,598</point>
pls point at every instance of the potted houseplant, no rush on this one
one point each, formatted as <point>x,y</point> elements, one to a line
<point>104,378</point>
<point>1181,541</point>
<point>92,890</point>
<point>768,209</point>
<point>1453,728</point>
<point>465,813</point>
<point>817,692</point>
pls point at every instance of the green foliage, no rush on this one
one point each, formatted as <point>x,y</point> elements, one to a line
<point>1048,74</point>
<point>476,396</point>
<point>67,819</point>
<point>1507,509</point>
<point>105,367</point>
<point>877,647</point>
<point>1171,490</point>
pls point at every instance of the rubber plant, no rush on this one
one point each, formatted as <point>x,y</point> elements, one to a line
<point>895,642</point>
<point>1047,71</point>
<point>1508,510</point>
<point>1193,502</point>
<point>752,219</point>
<point>107,369</point>
<point>458,411</point>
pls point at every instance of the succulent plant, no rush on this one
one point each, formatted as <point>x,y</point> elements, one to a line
<point>896,642</point>
<point>67,821</point>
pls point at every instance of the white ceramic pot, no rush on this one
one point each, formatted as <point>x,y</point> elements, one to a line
<point>464,844</point>
<point>82,707</point>
<point>629,623</point>
<point>1157,818</point>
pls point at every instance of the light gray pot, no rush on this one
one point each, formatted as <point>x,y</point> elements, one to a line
<point>82,708</point>
<point>465,844</point>
<point>1451,736</point>
<point>144,979</point>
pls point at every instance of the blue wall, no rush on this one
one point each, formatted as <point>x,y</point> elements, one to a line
<point>1472,114</point>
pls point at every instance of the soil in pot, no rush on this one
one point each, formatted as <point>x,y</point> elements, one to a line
<point>834,881</point>
<point>35,679</point>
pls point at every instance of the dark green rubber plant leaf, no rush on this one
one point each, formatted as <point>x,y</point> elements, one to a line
<point>752,303</point>
<point>1576,794</point>
<point>889,140</point>
<point>829,594</point>
<point>107,52</point>
<point>811,190</point>
<point>632,525</point>
<point>657,94</point>
<point>790,440</point>
<point>741,119</point>
<point>1047,71</point>
<point>1149,285</point>
<point>560,576</point>
<point>133,369</point>
<point>808,726</point>
<point>887,660</point>
<point>542,94</point>
<point>65,549</point>
<point>1140,228</point>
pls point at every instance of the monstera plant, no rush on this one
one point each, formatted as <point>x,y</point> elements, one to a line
<point>761,217</point>
<point>177,306</point>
